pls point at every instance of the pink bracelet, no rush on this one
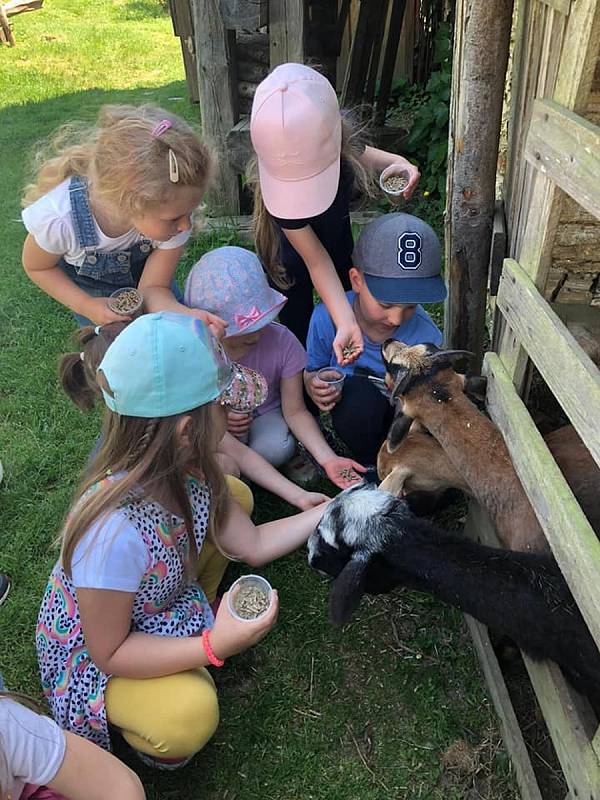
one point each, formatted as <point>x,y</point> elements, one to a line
<point>216,662</point>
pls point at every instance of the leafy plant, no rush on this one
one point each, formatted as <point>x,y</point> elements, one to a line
<point>427,141</point>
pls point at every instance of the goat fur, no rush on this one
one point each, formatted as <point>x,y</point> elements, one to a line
<point>369,542</point>
<point>419,464</point>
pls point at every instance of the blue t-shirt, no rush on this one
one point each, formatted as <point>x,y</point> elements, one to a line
<point>419,330</point>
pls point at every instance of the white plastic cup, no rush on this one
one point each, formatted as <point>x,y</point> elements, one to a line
<point>136,311</point>
<point>389,172</point>
<point>332,376</point>
<point>249,580</point>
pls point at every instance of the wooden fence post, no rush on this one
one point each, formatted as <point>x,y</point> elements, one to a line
<point>478,90</point>
<point>287,22</point>
<point>217,106</point>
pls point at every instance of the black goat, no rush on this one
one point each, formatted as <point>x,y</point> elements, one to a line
<point>370,542</point>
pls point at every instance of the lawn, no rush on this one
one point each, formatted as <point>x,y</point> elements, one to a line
<point>393,706</point>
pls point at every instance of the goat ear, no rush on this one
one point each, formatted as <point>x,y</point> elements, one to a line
<point>346,592</point>
<point>476,386</point>
<point>401,381</point>
<point>398,430</point>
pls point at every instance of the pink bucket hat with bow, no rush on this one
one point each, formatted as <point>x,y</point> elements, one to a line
<point>296,132</point>
<point>231,283</point>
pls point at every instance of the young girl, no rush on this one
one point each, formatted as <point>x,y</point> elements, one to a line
<point>230,281</point>
<point>111,208</point>
<point>78,377</point>
<point>125,631</point>
<point>38,761</point>
<point>307,166</point>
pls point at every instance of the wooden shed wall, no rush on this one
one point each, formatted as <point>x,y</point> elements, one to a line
<point>574,268</point>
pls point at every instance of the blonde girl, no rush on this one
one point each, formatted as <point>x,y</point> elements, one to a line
<point>39,761</point>
<point>111,207</point>
<point>125,630</point>
<point>77,373</point>
<point>308,163</point>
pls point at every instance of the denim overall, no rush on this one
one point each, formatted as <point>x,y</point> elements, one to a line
<point>101,273</point>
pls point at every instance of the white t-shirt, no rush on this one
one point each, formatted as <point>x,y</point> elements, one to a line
<point>50,222</point>
<point>110,555</point>
<point>32,748</point>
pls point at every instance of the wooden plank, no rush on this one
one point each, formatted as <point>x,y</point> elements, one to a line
<point>6,29</point>
<point>569,717</point>
<point>511,732</point>
<point>389,60</point>
<point>579,56</point>
<point>286,31</point>
<point>243,15</point>
<point>239,146</point>
<point>242,225</point>
<point>498,248</point>
<point>564,6</point>
<point>14,7</point>
<point>569,727</point>
<point>559,358</point>
<point>354,79</point>
<point>217,104</point>
<point>565,147</point>
<point>571,538</point>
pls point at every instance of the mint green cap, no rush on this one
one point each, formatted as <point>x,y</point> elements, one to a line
<point>164,364</point>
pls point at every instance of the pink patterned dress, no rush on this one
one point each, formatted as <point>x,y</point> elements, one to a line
<point>166,604</point>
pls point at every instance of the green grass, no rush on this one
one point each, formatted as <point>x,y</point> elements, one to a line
<point>311,713</point>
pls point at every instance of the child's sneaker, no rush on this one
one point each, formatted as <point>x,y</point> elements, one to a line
<point>300,470</point>
<point>165,764</point>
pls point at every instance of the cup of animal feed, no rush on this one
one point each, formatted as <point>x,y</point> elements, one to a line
<point>333,377</point>
<point>249,597</point>
<point>393,181</point>
<point>127,301</point>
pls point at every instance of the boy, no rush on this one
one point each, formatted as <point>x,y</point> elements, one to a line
<point>396,266</point>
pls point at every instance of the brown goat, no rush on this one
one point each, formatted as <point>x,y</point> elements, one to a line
<point>419,464</point>
<point>477,460</point>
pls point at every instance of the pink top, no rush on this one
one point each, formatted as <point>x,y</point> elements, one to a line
<point>277,354</point>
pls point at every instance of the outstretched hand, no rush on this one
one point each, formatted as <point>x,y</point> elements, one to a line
<point>348,344</point>
<point>343,472</point>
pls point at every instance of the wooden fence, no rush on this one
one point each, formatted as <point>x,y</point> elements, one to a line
<point>552,186</point>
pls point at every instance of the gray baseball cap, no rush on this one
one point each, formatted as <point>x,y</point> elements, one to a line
<point>401,258</point>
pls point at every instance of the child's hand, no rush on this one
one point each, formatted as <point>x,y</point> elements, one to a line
<point>238,424</point>
<point>97,310</point>
<point>307,500</point>
<point>215,325</point>
<point>230,636</point>
<point>323,394</point>
<point>348,344</point>
<point>343,471</point>
<point>413,180</point>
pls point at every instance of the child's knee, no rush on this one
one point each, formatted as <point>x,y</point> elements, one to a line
<point>277,450</point>
<point>195,717</point>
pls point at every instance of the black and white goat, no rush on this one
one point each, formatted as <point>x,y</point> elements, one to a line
<point>370,542</point>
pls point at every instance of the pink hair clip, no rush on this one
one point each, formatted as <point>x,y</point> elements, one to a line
<point>161,127</point>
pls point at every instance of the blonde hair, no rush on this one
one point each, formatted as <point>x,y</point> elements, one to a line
<point>127,165</point>
<point>264,229</point>
<point>150,455</point>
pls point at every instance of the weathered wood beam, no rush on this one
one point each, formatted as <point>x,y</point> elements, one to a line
<point>242,225</point>
<point>479,75</point>
<point>566,148</point>
<point>560,360</point>
<point>571,721</point>
<point>286,31</point>
<point>217,103</point>
<point>570,536</point>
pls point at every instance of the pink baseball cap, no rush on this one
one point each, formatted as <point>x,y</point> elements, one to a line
<point>296,131</point>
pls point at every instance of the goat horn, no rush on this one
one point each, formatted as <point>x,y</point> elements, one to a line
<point>451,355</point>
